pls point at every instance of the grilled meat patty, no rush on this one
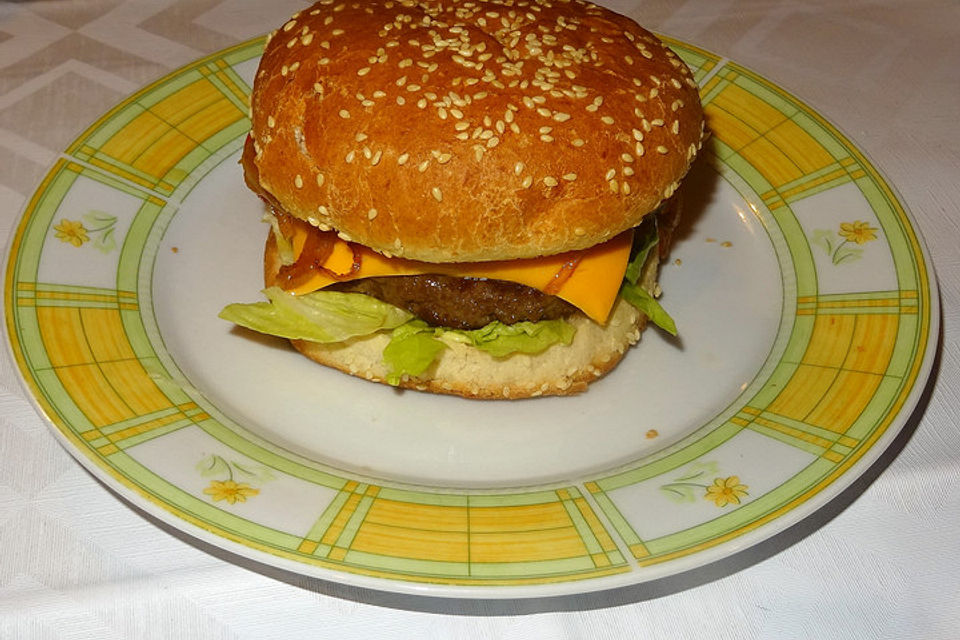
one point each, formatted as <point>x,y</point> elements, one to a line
<point>462,303</point>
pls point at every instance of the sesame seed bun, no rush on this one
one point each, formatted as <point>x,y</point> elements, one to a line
<point>469,131</point>
<point>469,372</point>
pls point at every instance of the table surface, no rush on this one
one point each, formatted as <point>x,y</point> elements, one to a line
<point>883,561</point>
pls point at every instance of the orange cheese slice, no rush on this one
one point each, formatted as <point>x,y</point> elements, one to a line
<point>588,279</point>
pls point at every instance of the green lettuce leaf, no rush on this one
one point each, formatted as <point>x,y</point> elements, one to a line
<point>646,238</point>
<point>501,340</point>
<point>642,300</point>
<point>321,316</point>
<point>413,347</point>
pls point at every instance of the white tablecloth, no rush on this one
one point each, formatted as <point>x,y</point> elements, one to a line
<point>881,562</point>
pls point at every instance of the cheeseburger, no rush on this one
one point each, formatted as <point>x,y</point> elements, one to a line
<point>466,197</point>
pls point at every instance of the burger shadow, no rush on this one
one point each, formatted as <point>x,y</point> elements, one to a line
<point>696,195</point>
<point>262,339</point>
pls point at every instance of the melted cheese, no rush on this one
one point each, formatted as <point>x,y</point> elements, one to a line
<point>592,286</point>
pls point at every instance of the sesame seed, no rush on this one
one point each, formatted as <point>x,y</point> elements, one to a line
<point>306,39</point>
<point>350,156</point>
<point>607,120</point>
<point>437,194</point>
<point>271,122</point>
<point>639,149</point>
<point>610,174</point>
<point>363,71</point>
<point>570,177</point>
<point>614,185</point>
<point>298,181</point>
<point>291,42</point>
<point>344,114</point>
<point>550,181</point>
<point>518,168</point>
<point>578,142</point>
<point>657,122</point>
<point>360,137</point>
<point>320,179</point>
<point>337,32</point>
<point>626,157</point>
<point>401,100</point>
<point>625,188</point>
<point>628,171</point>
<point>371,214</point>
<point>637,135</point>
<point>290,25</point>
<point>662,150</point>
<point>675,127</point>
<point>423,166</point>
<point>318,87</point>
<point>546,138</point>
<point>376,158</point>
<point>444,158</point>
<point>560,116</point>
<point>492,142</point>
<point>580,231</point>
<point>422,103</point>
<point>402,160</point>
<point>527,182</point>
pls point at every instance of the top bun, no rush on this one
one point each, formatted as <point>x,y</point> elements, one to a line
<point>449,131</point>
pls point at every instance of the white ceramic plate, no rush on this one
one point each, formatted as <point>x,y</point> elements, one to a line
<point>807,311</point>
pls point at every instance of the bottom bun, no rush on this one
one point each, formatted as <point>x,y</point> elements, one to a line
<point>469,372</point>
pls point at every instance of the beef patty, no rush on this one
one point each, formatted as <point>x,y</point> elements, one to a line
<point>461,303</point>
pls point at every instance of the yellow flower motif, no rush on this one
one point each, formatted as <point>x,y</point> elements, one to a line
<point>71,231</point>
<point>857,231</point>
<point>725,491</point>
<point>230,491</point>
